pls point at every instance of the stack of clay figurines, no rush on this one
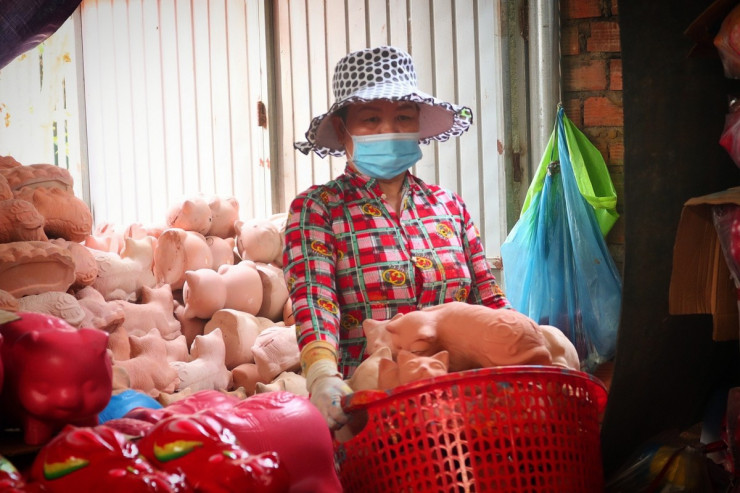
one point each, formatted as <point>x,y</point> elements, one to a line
<point>196,303</point>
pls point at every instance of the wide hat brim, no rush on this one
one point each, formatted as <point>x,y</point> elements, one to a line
<point>438,120</point>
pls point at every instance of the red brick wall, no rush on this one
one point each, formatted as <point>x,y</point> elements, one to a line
<point>592,89</point>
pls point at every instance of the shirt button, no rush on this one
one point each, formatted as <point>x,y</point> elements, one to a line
<point>383,196</point>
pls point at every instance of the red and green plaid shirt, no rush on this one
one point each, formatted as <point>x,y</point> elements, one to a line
<point>348,257</point>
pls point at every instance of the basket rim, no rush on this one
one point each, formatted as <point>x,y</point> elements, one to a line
<point>364,399</point>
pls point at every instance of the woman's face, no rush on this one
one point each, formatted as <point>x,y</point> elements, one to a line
<point>376,117</point>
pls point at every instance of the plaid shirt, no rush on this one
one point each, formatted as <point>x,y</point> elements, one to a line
<point>348,257</point>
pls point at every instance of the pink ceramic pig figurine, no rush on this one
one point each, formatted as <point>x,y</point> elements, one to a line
<point>179,251</point>
<point>191,214</point>
<point>55,375</point>
<point>475,336</point>
<point>234,286</point>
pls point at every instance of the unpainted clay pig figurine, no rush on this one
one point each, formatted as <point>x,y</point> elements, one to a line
<point>122,277</point>
<point>148,369</point>
<point>156,310</point>
<point>224,213</point>
<point>191,214</point>
<point>410,367</point>
<point>237,287</point>
<point>34,267</point>
<point>206,369</point>
<point>475,336</point>
<point>20,221</point>
<point>55,374</point>
<point>258,240</point>
<point>179,251</point>
<point>99,314</point>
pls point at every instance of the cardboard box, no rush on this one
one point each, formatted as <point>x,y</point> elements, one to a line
<point>700,280</point>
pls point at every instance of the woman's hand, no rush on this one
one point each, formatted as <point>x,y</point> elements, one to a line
<point>326,389</point>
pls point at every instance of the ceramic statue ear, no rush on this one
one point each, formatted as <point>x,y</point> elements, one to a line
<point>388,374</point>
<point>377,335</point>
<point>365,376</point>
<point>412,367</point>
<point>34,267</point>
<point>192,214</point>
<point>189,326</point>
<point>224,213</point>
<point>20,221</point>
<point>123,277</point>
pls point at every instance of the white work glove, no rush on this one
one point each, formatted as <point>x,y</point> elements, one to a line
<point>326,389</point>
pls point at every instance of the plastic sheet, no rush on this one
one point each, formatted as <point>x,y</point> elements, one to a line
<point>26,23</point>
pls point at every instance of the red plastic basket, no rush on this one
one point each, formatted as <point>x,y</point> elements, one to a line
<point>512,429</point>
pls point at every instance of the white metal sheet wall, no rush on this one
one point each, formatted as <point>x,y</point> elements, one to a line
<point>172,89</point>
<point>39,106</point>
<point>456,46</point>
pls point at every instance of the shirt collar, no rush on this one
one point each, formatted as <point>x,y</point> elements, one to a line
<point>359,180</point>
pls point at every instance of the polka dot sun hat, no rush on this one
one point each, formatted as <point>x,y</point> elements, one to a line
<point>388,73</point>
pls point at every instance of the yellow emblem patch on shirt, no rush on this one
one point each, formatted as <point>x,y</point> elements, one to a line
<point>320,248</point>
<point>394,276</point>
<point>462,294</point>
<point>423,262</point>
<point>371,210</point>
<point>328,305</point>
<point>444,230</point>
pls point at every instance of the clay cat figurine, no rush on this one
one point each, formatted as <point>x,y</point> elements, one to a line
<point>475,336</point>
<point>410,368</point>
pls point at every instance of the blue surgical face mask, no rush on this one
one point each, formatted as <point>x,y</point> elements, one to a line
<point>385,156</point>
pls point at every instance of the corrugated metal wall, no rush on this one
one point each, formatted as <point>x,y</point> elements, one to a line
<point>456,46</point>
<point>172,89</point>
<point>39,118</point>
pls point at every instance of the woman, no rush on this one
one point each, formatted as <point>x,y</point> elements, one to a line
<point>377,240</point>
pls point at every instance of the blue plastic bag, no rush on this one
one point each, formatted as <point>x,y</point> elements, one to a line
<point>557,268</point>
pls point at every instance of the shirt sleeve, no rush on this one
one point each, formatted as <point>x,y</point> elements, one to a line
<point>309,269</point>
<point>484,288</point>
